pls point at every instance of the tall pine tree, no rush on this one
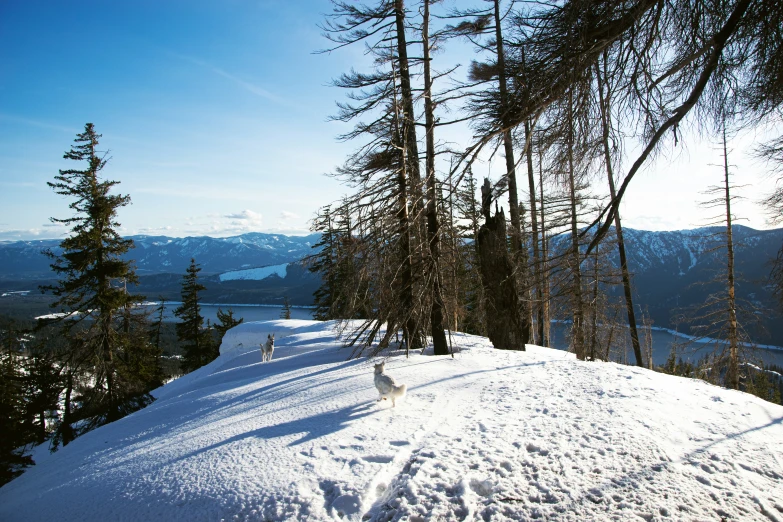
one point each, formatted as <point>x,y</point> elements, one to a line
<point>197,344</point>
<point>91,268</point>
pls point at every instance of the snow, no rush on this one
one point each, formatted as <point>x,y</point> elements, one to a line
<point>256,274</point>
<point>486,435</point>
<point>21,293</point>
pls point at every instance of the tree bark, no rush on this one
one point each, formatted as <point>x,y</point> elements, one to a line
<point>605,124</point>
<point>406,290</point>
<point>67,430</point>
<point>733,374</point>
<point>577,335</point>
<point>433,226</point>
<point>537,273</point>
<point>411,158</point>
<point>506,324</point>
<point>544,262</point>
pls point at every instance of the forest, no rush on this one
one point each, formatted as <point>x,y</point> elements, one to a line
<point>576,97</point>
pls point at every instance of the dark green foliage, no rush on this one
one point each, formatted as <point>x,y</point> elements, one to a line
<point>227,322</point>
<point>679,367</point>
<point>766,382</point>
<point>42,389</point>
<point>197,343</point>
<point>12,407</point>
<point>93,275</point>
<point>94,359</point>
<point>139,363</point>
<point>156,329</point>
<point>285,313</point>
<point>325,263</point>
<point>345,288</point>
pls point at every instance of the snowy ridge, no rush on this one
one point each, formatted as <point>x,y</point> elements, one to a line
<point>486,435</point>
<point>255,274</point>
<point>161,254</point>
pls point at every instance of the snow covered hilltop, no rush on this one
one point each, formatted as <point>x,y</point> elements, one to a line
<point>487,435</point>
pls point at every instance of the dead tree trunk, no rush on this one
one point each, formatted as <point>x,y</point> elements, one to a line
<point>605,124</point>
<point>520,254</point>
<point>733,373</point>
<point>577,329</point>
<point>433,226</point>
<point>543,261</point>
<point>410,145</point>
<point>406,273</point>
<point>507,325</point>
<point>594,312</point>
<point>537,272</point>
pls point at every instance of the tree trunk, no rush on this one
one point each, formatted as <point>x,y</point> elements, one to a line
<point>520,255</point>
<point>733,374</point>
<point>594,315</point>
<point>67,430</point>
<point>544,262</point>
<point>406,286</point>
<point>506,324</point>
<point>537,273</point>
<point>411,160</point>
<point>605,124</point>
<point>433,226</point>
<point>577,335</point>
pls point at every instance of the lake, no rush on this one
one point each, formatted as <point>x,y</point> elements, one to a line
<point>246,312</point>
<point>661,340</point>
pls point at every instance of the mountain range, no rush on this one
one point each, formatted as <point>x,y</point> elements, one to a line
<point>671,269</point>
<point>20,260</point>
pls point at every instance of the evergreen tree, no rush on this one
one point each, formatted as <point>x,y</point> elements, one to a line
<point>285,313</point>
<point>195,339</point>
<point>91,266</point>
<point>227,322</point>
<point>325,262</point>
<point>139,364</point>
<point>157,327</point>
<point>12,409</point>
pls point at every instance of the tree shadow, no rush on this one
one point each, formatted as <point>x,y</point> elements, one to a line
<point>310,428</point>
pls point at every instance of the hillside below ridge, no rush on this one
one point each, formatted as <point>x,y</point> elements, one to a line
<point>486,435</point>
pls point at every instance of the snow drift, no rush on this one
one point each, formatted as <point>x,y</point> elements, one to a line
<point>486,435</point>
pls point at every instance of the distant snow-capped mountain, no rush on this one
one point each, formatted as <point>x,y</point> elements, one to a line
<point>161,254</point>
<point>667,267</point>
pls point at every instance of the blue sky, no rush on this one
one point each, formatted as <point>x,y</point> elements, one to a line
<point>215,115</point>
<point>214,112</point>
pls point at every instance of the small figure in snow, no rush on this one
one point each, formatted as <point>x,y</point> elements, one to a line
<point>268,348</point>
<point>387,387</point>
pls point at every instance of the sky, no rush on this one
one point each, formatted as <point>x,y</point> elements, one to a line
<point>216,118</point>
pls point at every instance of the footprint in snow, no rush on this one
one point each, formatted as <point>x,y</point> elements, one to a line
<point>378,459</point>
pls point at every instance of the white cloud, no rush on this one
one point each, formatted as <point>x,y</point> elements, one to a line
<point>48,231</point>
<point>285,215</point>
<point>246,215</point>
<point>155,230</point>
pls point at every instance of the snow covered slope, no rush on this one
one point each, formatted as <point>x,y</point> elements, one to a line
<point>255,274</point>
<point>487,435</point>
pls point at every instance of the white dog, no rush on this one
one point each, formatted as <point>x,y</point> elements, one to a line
<point>387,387</point>
<point>268,348</point>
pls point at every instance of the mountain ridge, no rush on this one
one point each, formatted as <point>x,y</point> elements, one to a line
<point>668,268</point>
